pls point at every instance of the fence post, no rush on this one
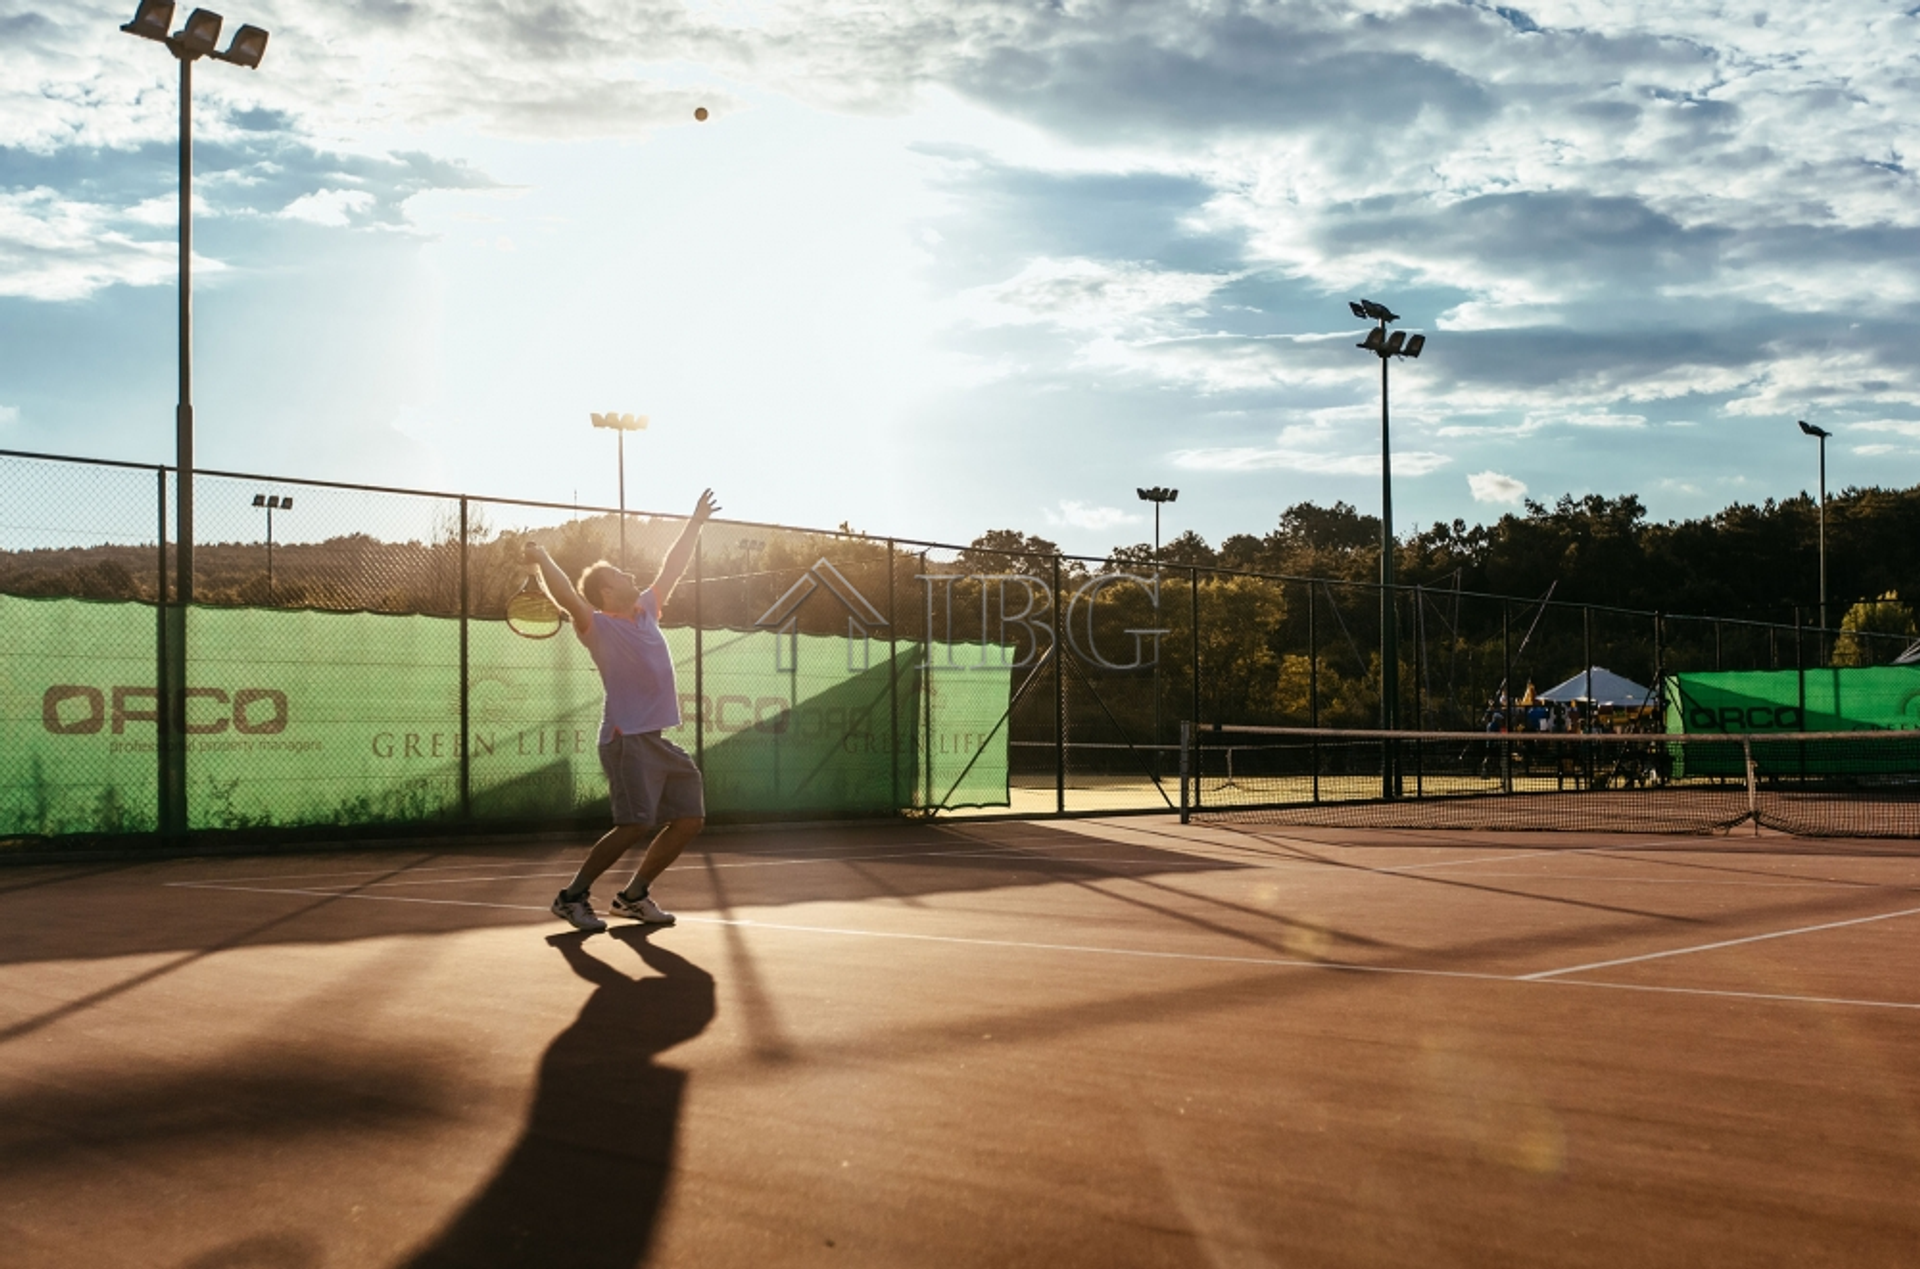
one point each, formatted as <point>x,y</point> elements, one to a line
<point>1800,677</point>
<point>1313,687</point>
<point>1590,713</point>
<point>926,695</point>
<point>1186,749</point>
<point>1193,611</point>
<point>1506,697</point>
<point>163,711</point>
<point>1059,697</point>
<point>893,688</point>
<point>699,655</point>
<point>466,678</point>
<point>1659,663</point>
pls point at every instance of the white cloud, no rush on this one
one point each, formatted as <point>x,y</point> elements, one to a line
<point>52,248</point>
<point>331,207</point>
<point>1618,422</point>
<point>1081,515</point>
<point>1899,427</point>
<point>1088,295</point>
<point>9,414</point>
<point>1492,486</point>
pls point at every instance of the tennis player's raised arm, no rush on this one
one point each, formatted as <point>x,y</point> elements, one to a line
<point>681,553</point>
<point>558,588</point>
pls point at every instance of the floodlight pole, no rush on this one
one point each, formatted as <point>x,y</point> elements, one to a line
<point>1387,347</point>
<point>621,425</point>
<point>1821,434</point>
<point>1823,548</point>
<point>195,40</point>
<point>1159,495</point>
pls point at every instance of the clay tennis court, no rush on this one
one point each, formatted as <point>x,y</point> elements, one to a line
<point>1104,1042</point>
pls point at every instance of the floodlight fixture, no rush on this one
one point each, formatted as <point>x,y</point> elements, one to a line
<point>1395,342</point>
<point>1414,344</point>
<point>1811,430</point>
<point>1158,493</point>
<point>1357,310</point>
<point>151,20</point>
<point>259,500</point>
<point>1375,340</point>
<point>248,46</point>
<point>200,34</point>
<point>1377,312</point>
<point>621,422</point>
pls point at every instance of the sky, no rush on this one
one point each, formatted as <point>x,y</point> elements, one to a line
<point>935,267</point>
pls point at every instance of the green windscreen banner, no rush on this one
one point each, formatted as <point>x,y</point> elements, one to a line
<point>1869,698</point>
<point>1786,702</point>
<point>310,718</point>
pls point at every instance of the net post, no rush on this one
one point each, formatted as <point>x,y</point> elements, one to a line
<point>1186,766</point>
<point>466,678</point>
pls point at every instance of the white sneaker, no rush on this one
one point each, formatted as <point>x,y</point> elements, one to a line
<point>579,912</point>
<point>642,909</point>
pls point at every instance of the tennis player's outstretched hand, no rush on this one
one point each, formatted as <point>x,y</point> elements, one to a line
<point>704,509</point>
<point>532,553</point>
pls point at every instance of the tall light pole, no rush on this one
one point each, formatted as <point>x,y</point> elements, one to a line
<point>1159,496</point>
<point>191,42</point>
<point>1821,434</point>
<point>271,503</point>
<point>621,425</point>
<point>1387,347</point>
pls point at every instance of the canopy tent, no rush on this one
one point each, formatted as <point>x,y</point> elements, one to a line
<point>1608,689</point>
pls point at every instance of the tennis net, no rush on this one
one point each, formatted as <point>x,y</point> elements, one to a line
<point>1828,784</point>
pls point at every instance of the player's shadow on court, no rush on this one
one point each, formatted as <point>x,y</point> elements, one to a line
<point>585,1182</point>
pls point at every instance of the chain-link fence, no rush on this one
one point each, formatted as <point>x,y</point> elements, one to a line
<point>346,661</point>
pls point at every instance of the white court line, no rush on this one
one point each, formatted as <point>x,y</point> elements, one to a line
<point>1710,947</point>
<point>1274,962</point>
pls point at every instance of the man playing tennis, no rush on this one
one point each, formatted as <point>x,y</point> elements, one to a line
<point>654,784</point>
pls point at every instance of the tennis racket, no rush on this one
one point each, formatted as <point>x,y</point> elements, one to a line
<point>531,615</point>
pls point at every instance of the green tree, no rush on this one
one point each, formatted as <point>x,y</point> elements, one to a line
<point>1885,616</point>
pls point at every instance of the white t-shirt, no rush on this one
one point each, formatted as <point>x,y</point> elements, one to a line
<point>635,667</point>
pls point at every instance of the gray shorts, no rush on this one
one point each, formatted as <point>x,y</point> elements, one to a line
<point>652,780</point>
